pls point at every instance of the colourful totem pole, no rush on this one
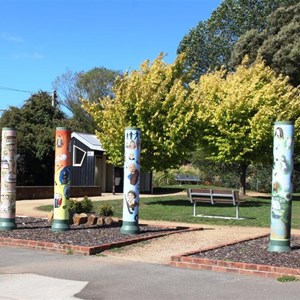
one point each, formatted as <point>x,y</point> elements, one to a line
<point>62,179</point>
<point>282,187</point>
<point>131,188</point>
<point>8,179</point>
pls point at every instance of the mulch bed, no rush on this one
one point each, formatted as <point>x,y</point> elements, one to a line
<point>256,251</point>
<point>37,229</point>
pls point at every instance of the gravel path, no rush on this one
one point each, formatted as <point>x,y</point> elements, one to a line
<point>160,250</point>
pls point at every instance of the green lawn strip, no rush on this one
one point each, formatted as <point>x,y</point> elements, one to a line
<point>256,211</point>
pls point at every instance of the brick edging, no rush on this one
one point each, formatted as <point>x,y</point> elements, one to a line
<point>185,261</point>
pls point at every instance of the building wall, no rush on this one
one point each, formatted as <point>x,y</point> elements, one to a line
<point>83,175</point>
<point>47,192</point>
<point>95,171</point>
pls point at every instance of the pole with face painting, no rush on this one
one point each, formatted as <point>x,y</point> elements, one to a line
<point>8,179</point>
<point>282,187</point>
<point>131,188</point>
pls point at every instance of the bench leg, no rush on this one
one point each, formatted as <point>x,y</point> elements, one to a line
<point>237,211</point>
<point>194,209</point>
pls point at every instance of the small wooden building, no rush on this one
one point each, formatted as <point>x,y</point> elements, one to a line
<point>90,167</point>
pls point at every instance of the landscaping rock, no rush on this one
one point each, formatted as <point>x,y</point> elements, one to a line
<point>92,220</point>
<point>50,216</point>
<point>79,219</point>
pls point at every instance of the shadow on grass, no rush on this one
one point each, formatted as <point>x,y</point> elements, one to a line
<point>165,191</point>
<point>187,203</point>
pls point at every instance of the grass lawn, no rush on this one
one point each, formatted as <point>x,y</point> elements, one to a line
<point>256,211</point>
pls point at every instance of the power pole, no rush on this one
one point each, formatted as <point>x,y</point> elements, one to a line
<point>54,98</point>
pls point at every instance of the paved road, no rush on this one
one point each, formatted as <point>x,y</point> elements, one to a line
<point>31,274</point>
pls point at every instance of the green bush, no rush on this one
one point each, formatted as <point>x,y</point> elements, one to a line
<point>86,205</point>
<point>83,206</point>
<point>105,210</point>
<point>74,206</point>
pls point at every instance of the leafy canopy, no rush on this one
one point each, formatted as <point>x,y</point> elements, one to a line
<point>91,85</point>
<point>35,123</point>
<point>237,111</point>
<point>278,43</point>
<point>210,43</point>
<point>155,99</point>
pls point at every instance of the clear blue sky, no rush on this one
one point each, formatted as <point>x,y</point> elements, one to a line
<point>42,39</point>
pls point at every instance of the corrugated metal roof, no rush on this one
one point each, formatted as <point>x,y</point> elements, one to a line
<point>90,140</point>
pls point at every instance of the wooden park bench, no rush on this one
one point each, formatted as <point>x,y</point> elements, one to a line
<point>215,197</point>
<point>187,178</point>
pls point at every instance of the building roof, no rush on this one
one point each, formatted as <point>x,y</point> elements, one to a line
<point>90,140</point>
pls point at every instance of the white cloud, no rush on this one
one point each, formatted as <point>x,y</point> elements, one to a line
<point>24,55</point>
<point>11,38</point>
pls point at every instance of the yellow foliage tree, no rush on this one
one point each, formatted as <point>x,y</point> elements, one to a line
<point>155,99</point>
<point>237,112</point>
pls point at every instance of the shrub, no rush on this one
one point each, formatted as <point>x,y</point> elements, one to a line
<point>86,205</point>
<point>105,210</point>
<point>83,206</point>
<point>75,206</point>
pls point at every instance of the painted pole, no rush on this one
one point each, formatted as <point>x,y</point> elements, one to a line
<point>282,187</point>
<point>131,185</point>
<point>8,179</point>
<point>62,179</point>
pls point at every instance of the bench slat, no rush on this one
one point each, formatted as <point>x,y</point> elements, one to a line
<point>215,197</point>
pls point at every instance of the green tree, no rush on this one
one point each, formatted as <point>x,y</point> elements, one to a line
<point>278,44</point>
<point>35,123</point>
<point>91,85</point>
<point>156,99</point>
<point>237,112</point>
<point>209,45</point>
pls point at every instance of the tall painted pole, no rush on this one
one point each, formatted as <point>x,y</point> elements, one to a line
<point>8,179</point>
<point>282,187</point>
<point>131,190</point>
<point>62,179</point>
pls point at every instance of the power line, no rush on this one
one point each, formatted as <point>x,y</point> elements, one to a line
<point>14,90</point>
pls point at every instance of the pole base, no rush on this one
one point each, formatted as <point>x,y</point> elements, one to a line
<point>130,228</point>
<point>60,225</point>
<point>7,223</point>
<point>279,246</point>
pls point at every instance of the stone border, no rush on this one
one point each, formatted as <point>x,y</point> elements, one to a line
<point>85,250</point>
<point>186,261</point>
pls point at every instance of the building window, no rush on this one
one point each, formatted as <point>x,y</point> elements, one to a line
<point>78,156</point>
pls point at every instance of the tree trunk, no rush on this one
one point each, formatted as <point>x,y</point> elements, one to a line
<point>242,171</point>
<point>113,181</point>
